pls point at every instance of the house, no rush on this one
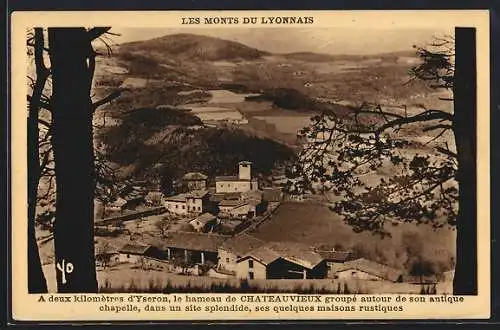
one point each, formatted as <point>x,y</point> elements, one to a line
<point>193,202</point>
<point>279,180</point>
<point>364,269</point>
<point>106,256</point>
<point>196,247</point>
<point>281,260</point>
<point>241,183</point>
<point>204,222</point>
<point>235,248</point>
<point>195,181</point>
<point>217,198</point>
<point>240,209</point>
<point>333,257</point>
<point>136,252</point>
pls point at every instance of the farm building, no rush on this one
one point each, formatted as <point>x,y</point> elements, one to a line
<point>240,209</point>
<point>364,269</point>
<point>195,181</point>
<point>135,253</point>
<point>216,198</point>
<point>333,257</point>
<point>281,260</point>
<point>106,255</point>
<point>193,202</point>
<point>197,247</point>
<point>241,183</point>
<point>204,222</point>
<point>233,249</point>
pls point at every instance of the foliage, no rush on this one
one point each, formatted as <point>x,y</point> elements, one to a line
<point>163,225</point>
<point>345,153</point>
<point>177,149</point>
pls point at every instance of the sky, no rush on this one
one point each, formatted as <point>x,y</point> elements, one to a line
<point>287,40</point>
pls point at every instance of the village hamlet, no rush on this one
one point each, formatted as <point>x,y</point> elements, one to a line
<point>224,163</point>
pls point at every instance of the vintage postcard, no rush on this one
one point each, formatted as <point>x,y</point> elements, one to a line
<point>250,165</point>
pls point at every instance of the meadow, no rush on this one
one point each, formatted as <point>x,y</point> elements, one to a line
<point>316,224</point>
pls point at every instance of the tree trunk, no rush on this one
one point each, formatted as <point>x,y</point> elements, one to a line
<point>70,51</point>
<point>464,93</point>
<point>36,279</point>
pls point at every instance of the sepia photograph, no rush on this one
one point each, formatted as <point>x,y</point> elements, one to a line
<point>280,158</point>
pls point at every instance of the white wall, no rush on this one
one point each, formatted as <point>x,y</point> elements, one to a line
<point>232,186</point>
<point>227,260</point>
<point>356,274</point>
<point>242,269</point>
<point>176,207</point>
<point>130,258</point>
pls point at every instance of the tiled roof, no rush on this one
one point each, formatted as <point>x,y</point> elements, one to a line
<point>227,178</point>
<point>369,267</point>
<point>241,244</point>
<point>231,203</point>
<point>184,197</point>
<point>293,252</point>
<point>134,248</point>
<point>194,176</point>
<point>177,198</point>
<point>298,253</point>
<point>262,254</point>
<point>197,193</point>
<point>193,241</point>
<point>245,162</point>
<point>205,218</point>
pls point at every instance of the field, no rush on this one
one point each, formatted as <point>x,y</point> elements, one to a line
<point>315,224</point>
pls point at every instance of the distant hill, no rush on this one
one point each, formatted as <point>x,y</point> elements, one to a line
<point>164,139</point>
<point>195,47</point>
<point>319,57</point>
<point>309,57</point>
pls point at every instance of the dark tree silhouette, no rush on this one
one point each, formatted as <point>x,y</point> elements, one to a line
<point>342,151</point>
<point>41,166</point>
<point>36,279</point>
<point>72,59</point>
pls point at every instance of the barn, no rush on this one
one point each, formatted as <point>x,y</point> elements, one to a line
<point>135,253</point>
<point>282,260</point>
<point>364,269</point>
<point>196,247</point>
<point>234,248</point>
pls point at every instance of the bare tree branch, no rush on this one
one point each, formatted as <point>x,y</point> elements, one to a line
<point>109,98</point>
<point>96,32</point>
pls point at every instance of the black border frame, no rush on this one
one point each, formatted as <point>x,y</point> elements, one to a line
<point>129,5</point>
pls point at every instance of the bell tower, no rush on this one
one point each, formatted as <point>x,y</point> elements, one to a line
<point>245,170</point>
